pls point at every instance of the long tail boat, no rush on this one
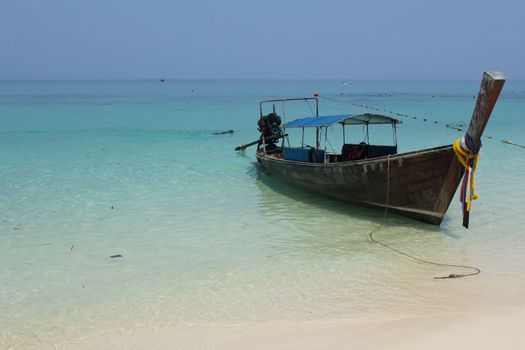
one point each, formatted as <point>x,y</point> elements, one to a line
<point>419,185</point>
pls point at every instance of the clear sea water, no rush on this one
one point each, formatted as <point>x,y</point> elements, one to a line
<point>93,169</point>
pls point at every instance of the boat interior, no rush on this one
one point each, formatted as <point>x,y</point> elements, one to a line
<point>272,132</point>
<point>349,152</point>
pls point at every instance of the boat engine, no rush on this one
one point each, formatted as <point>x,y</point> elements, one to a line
<point>270,128</point>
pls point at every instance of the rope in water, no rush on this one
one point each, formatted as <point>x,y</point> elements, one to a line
<point>452,275</point>
<point>408,116</point>
<point>371,235</point>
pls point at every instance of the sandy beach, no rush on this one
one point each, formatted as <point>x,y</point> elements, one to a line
<point>502,328</point>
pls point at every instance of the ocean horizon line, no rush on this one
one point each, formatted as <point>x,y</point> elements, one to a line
<point>342,80</point>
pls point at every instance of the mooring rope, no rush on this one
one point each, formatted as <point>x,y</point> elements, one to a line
<point>452,275</point>
<point>408,116</point>
<point>469,160</point>
<point>371,235</point>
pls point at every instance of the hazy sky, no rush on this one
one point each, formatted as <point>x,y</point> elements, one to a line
<point>125,39</point>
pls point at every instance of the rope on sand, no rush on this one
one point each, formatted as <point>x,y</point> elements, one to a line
<point>476,271</point>
<point>371,235</point>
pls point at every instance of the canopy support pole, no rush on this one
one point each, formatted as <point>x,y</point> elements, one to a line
<point>394,129</point>
<point>325,141</point>
<point>325,137</point>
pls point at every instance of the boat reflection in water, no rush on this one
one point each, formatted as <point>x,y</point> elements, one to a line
<point>300,223</point>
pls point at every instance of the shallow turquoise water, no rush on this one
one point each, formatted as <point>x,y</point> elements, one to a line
<point>99,168</point>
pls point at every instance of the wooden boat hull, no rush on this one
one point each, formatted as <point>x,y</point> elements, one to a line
<point>419,185</point>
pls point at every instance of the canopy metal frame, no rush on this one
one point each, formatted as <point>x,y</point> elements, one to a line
<point>283,102</point>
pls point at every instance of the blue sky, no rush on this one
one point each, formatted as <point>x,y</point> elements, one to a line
<point>374,39</point>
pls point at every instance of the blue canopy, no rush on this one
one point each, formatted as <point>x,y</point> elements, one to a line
<point>312,122</point>
<point>345,119</point>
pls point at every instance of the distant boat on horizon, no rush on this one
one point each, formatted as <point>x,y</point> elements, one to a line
<point>162,80</point>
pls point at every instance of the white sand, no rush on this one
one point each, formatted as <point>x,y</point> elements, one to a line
<point>499,329</point>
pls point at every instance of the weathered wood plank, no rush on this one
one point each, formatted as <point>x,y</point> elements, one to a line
<point>489,91</point>
<point>349,181</point>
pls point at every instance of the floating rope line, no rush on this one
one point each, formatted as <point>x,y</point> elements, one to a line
<point>452,275</point>
<point>309,106</point>
<point>408,116</point>
<point>508,142</point>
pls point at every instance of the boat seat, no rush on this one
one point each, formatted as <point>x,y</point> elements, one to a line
<point>351,151</point>
<point>307,155</point>
<point>375,151</point>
